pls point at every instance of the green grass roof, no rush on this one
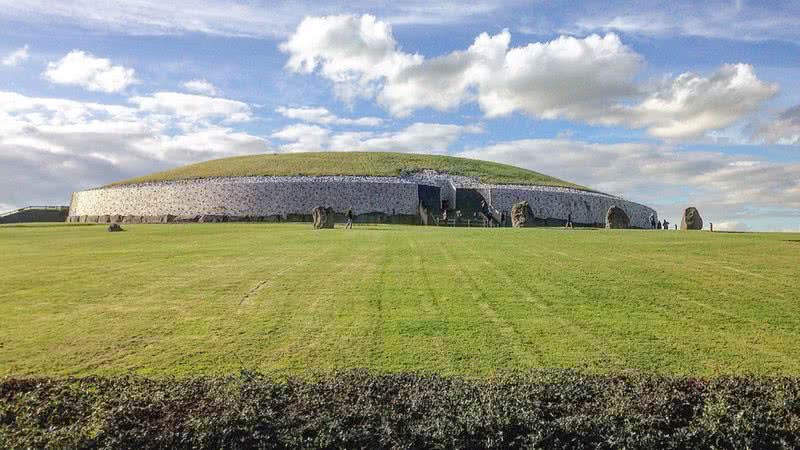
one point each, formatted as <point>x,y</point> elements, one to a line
<point>352,163</point>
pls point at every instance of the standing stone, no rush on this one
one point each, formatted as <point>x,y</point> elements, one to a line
<point>521,215</point>
<point>616,218</point>
<point>691,219</point>
<point>114,227</point>
<point>323,217</point>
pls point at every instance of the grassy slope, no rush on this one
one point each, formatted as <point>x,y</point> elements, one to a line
<point>352,163</point>
<point>180,299</point>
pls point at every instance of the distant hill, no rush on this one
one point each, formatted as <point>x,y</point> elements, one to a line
<point>352,163</point>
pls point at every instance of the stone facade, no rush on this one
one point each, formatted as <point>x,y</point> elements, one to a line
<point>373,198</point>
<point>587,208</point>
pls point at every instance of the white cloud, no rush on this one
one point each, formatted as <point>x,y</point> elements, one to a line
<point>194,107</point>
<point>691,104</point>
<point>16,57</point>
<point>254,18</point>
<point>566,77</point>
<point>591,79</point>
<point>734,20</point>
<point>662,176</point>
<point>199,86</point>
<point>303,138</point>
<point>416,138</point>
<point>323,116</point>
<point>356,53</point>
<point>731,226</point>
<point>784,129</point>
<point>95,74</point>
<point>50,147</point>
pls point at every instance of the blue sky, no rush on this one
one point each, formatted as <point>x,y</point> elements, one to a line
<point>670,104</point>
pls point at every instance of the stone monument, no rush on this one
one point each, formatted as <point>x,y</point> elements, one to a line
<point>691,219</point>
<point>323,217</point>
<point>521,215</point>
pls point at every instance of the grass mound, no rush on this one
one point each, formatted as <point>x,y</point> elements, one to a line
<point>355,409</point>
<point>352,163</point>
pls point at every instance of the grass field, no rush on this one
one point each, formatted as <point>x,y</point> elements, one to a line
<point>286,299</point>
<point>352,163</point>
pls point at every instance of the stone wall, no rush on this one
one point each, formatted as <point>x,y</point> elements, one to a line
<point>588,208</point>
<point>250,196</point>
<point>374,198</point>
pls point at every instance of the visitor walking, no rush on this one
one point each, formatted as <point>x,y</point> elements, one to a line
<point>487,218</point>
<point>349,219</point>
<point>666,225</point>
<point>652,221</point>
<point>569,220</point>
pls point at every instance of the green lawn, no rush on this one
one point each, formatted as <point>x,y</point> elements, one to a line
<point>286,299</point>
<point>352,163</point>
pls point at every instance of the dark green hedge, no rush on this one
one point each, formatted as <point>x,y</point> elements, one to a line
<point>562,409</point>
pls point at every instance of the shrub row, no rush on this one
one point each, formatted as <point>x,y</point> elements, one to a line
<point>357,409</point>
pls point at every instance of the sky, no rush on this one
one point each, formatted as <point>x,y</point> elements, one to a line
<point>670,104</point>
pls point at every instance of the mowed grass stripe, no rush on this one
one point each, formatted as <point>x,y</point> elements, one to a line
<point>167,299</point>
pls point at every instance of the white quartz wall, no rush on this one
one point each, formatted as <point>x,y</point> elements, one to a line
<point>270,196</point>
<point>556,203</point>
<point>247,196</point>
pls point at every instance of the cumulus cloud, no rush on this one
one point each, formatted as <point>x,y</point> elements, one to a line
<point>323,116</point>
<point>591,79</point>
<point>691,104</point>
<point>356,53</point>
<point>200,86</point>
<point>303,138</point>
<point>16,57</point>
<point>566,77</point>
<point>194,107</point>
<point>723,187</point>
<point>416,138</point>
<point>95,74</point>
<point>53,146</point>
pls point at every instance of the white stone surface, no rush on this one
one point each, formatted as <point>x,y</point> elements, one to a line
<point>269,196</point>
<point>557,203</point>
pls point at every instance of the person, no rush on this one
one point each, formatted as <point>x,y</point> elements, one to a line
<point>652,221</point>
<point>503,219</point>
<point>349,218</point>
<point>569,220</point>
<point>487,221</point>
<point>444,216</point>
<point>666,225</point>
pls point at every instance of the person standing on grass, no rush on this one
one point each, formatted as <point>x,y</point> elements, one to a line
<point>666,225</point>
<point>349,219</point>
<point>569,220</point>
<point>652,221</point>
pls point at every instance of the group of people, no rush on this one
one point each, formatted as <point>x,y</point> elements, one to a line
<point>658,225</point>
<point>488,216</point>
<point>489,219</point>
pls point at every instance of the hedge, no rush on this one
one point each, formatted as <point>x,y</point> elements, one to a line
<point>358,409</point>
